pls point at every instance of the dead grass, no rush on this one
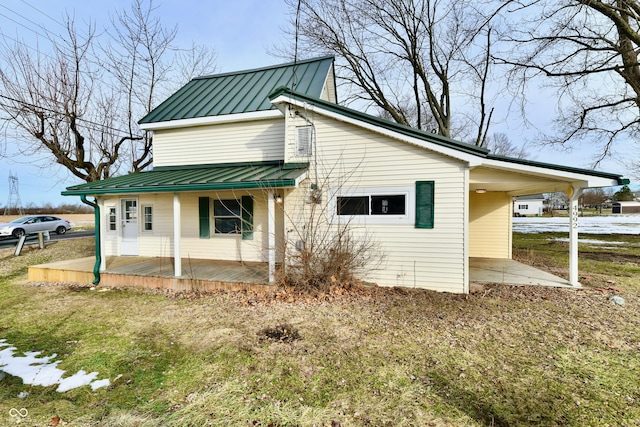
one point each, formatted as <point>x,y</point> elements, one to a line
<point>368,357</point>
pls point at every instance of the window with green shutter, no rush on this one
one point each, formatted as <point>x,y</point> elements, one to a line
<point>424,204</point>
<point>203,209</point>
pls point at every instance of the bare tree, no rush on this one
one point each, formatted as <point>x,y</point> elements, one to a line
<point>594,198</point>
<point>79,105</point>
<point>412,59</point>
<point>500,144</point>
<point>588,50</point>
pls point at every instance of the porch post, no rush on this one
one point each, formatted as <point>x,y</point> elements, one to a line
<point>177,260</point>
<point>574,279</point>
<point>271,236</point>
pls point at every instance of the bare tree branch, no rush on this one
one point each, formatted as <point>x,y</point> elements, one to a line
<point>409,58</point>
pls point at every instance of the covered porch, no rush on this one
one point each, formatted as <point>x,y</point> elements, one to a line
<point>201,275</point>
<point>210,275</point>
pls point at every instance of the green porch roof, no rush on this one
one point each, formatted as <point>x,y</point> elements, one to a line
<point>242,91</point>
<point>244,176</point>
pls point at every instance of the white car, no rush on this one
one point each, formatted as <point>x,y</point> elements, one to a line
<point>33,224</point>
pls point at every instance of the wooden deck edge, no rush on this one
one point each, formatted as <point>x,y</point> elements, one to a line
<point>53,275</point>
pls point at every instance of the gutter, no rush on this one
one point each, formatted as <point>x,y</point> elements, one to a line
<point>96,211</point>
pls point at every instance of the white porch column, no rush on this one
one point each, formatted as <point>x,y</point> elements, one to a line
<point>574,195</point>
<point>177,258</point>
<point>271,236</point>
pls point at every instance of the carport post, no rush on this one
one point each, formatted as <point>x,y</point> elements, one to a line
<point>574,194</point>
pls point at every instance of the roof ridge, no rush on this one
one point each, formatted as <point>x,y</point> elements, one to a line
<point>269,67</point>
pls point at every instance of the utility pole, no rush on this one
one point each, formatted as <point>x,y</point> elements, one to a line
<point>14,196</point>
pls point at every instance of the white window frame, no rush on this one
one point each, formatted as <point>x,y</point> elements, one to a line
<point>408,217</point>
<point>115,219</point>
<point>307,150</point>
<point>144,219</point>
<point>213,231</point>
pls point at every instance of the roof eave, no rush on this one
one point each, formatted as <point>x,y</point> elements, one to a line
<point>213,120</point>
<point>283,183</point>
<point>587,178</point>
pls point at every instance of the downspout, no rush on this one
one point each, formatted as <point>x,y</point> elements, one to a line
<point>96,212</point>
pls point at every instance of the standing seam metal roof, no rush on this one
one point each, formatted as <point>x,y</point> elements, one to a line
<point>260,175</point>
<point>242,91</point>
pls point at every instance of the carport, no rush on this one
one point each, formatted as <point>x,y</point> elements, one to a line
<point>492,187</point>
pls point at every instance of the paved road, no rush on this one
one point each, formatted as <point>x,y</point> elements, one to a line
<point>11,242</point>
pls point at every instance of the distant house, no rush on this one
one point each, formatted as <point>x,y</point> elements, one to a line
<point>532,204</point>
<point>243,160</point>
<point>625,207</point>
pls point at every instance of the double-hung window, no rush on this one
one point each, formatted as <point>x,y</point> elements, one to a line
<point>227,217</point>
<point>147,212</point>
<point>112,219</point>
<point>230,217</point>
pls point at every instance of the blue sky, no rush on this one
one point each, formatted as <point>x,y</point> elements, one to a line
<point>241,31</point>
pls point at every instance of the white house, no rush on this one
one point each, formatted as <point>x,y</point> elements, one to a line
<point>531,204</point>
<point>243,160</point>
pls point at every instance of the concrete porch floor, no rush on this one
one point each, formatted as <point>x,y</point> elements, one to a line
<point>153,272</point>
<point>510,272</point>
<point>207,275</point>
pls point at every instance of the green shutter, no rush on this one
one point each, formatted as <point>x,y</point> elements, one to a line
<point>424,204</point>
<point>205,218</point>
<point>247,218</point>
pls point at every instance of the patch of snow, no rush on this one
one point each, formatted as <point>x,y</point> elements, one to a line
<point>592,241</point>
<point>100,383</point>
<point>609,224</point>
<point>34,369</point>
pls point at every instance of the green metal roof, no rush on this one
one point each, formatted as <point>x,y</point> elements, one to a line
<point>229,176</point>
<point>242,91</point>
<point>436,139</point>
<point>562,168</point>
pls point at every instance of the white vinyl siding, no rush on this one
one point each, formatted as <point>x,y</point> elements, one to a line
<point>256,141</point>
<point>328,91</point>
<point>159,241</point>
<point>490,225</point>
<point>356,158</point>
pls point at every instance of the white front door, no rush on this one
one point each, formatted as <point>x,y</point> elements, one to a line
<point>129,242</point>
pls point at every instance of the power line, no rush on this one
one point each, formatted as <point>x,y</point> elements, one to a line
<point>42,13</point>
<point>100,125</point>
<point>20,23</point>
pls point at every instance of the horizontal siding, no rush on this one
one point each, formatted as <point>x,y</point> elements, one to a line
<point>159,242</point>
<point>253,141</point>
<point>490,225</point>
<point>223,247</point>
<point>351,158</point>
